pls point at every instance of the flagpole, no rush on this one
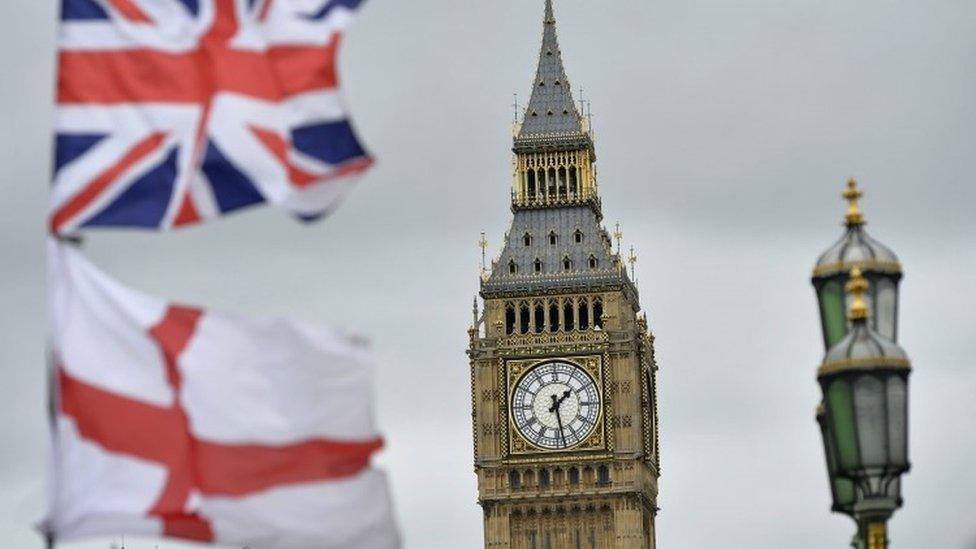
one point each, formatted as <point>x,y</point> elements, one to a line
<point>52,417</point>
<point>52,394</point>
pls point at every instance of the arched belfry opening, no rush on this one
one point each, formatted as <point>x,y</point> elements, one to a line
<point>509,319</point>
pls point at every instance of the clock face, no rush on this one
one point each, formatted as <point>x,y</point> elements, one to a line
<point>556,405</point>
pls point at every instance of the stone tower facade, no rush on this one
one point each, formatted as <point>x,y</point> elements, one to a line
<point>563,376</point>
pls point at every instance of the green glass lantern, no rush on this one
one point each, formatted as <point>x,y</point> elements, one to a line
<point>864,378</point>
<point>843,493</point>
<point>877,263</point>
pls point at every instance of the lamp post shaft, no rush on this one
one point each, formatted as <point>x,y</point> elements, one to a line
<point>872,534</point>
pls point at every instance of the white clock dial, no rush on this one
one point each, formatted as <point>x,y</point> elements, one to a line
<point>556,405</point>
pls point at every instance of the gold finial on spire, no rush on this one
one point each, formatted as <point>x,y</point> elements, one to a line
<point>617,235</point>
<point>852,194</point>
<point>483,244</point>
<point>857,286</point>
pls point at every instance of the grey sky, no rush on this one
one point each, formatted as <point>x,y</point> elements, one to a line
<point>725,131</point>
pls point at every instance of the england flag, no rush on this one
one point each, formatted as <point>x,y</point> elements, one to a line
<point>173,421</point>
<point>170,112</point>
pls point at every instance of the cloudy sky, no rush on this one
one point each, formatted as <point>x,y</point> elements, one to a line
<point>725,132</point>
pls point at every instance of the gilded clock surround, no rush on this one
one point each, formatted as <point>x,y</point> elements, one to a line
<point>596,441</point>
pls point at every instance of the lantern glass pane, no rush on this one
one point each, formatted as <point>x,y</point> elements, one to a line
<point>841,415</point>
<point>844,494</point>
<point>886,308</point>
<point>894,489</point>
<point>829,448</point>
<point>842,489</point>
<point>872,425</point>
<point>898,421</point>
<point>832,312</point>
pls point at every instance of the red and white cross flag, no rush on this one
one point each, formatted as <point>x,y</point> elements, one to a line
<point>172,421</point>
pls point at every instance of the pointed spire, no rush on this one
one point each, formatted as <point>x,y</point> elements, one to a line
<point>551,111</point>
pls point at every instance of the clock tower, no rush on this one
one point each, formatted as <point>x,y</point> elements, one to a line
<point>563,376</point>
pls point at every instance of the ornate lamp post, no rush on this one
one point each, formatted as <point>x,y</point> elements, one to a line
<point>879,265</point>
<point>864,379</point>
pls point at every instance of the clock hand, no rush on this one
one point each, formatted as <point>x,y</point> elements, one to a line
<point>556,404</point>
<point>559,421</point>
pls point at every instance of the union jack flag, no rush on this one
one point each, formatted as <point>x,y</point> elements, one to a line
<point>170,112</point>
